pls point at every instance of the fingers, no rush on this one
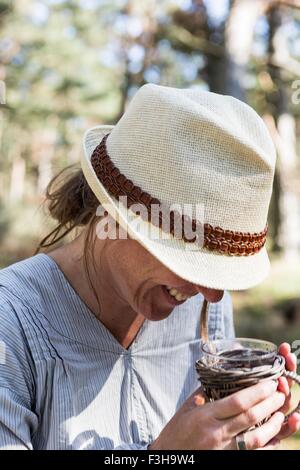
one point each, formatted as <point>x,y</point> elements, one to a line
<point>283,386</point>
<point>243,400</point>
<point>284,349</point>
<point>290,359</point>
<point>272,445</point>
<point>294,422</point>
<point>287,404</point>
<point>254,415</point>
<point>261,436</point>
<point>289,428</point>
<point>291,364</point>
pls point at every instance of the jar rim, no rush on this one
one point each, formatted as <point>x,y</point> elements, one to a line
<point>209,347</point>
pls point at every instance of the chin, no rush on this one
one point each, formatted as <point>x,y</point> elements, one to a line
<point>157,306</point>
<point>158,315</point>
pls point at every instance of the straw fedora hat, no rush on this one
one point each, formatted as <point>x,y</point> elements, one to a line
<point>193,148</point>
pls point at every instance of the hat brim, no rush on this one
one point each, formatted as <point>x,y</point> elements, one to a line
<point>201,267</point>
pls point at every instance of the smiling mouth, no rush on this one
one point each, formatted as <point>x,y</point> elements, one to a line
<point>174,295</point>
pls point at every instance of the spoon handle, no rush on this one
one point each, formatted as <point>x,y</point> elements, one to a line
<point>204,321</point>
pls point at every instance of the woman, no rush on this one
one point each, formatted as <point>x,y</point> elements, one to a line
<point>100,335</point>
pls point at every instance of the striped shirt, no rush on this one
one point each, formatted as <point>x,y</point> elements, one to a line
<point>67,383</point>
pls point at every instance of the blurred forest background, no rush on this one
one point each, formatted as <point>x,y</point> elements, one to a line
<point>71,64</point>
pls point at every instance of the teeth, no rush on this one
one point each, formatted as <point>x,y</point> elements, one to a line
<point>178,295</point>
<point>173,292</point>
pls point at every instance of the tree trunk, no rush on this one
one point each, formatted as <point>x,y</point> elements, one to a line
<point>44,168</point>
<point>42,150</point>
<point>146,15</point>
<point>238,42</point>
<point>17,180</point>
<point>289,202</point>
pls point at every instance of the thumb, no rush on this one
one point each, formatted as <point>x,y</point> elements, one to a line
<point>198,398</point>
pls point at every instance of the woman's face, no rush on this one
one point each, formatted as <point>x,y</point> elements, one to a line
<point>141,281</point>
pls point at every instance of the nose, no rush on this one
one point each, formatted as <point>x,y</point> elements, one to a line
<point>211,295</point>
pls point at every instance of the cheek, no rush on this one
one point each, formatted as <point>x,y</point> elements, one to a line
<point>126,277</point>
<point>135,275</point>
<point>153,305</point>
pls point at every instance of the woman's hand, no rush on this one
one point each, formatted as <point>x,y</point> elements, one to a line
<point>214,425</point>
<point>284,385</point>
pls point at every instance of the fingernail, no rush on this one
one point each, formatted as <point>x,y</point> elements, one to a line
<point>280,416</point>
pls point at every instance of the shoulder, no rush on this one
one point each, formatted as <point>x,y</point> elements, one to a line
<point>14,291</point>
<point>16,365</point>
<point>11,310</point>
<point>22,289</point>
<point>24,283</point>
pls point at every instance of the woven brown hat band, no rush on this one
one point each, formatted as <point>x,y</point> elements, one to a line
<point>226,242</point>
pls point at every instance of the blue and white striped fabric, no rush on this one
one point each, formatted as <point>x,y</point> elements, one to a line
<point>65,381</point>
